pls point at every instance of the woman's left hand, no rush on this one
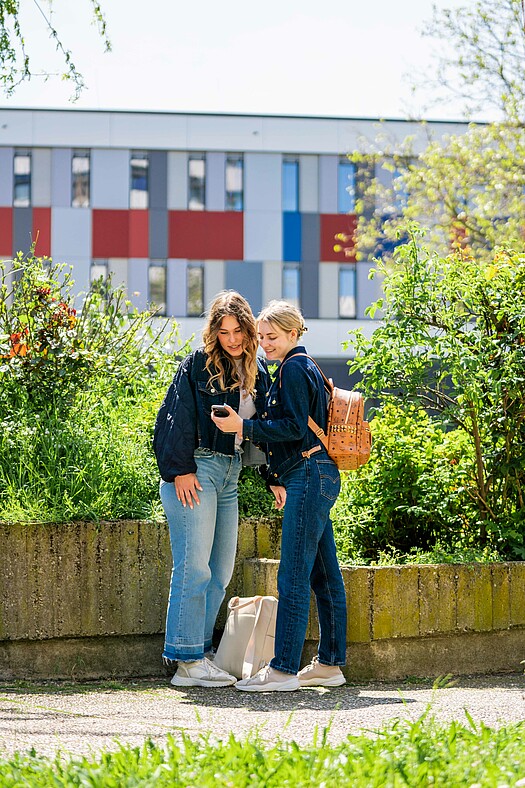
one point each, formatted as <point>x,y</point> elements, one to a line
<point>231,423</point>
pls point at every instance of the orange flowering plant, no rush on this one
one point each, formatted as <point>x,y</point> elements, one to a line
<point>51,346</point>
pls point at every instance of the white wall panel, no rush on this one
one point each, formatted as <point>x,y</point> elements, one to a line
<point>70,234</point>
<point>41,177</point>
<point>177,181</point>
<point>214,276</point>
<point>215,182</point>
<point>138,282</point>
<point>263,183</point>
<point>110,178</point>
<point>263,233</point>
<point>272,281</point>
<point>118,268</point>
<point>328,290</point>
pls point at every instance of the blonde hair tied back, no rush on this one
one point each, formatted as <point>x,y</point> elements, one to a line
<point>283,315</point>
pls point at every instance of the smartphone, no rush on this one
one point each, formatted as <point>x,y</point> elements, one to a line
<point>220,411</point>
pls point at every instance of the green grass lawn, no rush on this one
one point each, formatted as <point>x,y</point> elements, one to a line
<point>421,753</point>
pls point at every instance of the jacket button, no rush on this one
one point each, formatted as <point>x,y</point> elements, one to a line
<point>274,401</point>
<point>270,453</point>
<point>275,475</point>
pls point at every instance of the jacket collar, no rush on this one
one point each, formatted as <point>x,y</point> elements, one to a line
<point>293,352</point>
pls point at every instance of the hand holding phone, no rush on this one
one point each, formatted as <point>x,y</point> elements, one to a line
<point>220,411</point>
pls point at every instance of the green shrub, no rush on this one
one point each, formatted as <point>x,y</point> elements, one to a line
<point>412,493</point>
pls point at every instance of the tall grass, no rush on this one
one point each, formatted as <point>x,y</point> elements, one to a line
<point>421,753</point>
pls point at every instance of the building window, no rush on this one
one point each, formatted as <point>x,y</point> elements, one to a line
<point>234,182</point>
<point>157,286</point>
<point>197,182</point>
<point>98,271</point>
<point>346,187</point>
<point>80,168</point>
<point>290,185</point>
<point>195,291</point>
<point>347,291</point>
<point>292,284</point>
<point>138,196</point>
<point>22,181</point>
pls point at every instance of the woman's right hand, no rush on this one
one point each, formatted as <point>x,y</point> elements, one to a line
<point>186,487</point>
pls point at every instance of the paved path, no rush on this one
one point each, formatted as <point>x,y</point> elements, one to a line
<point>83,718</point>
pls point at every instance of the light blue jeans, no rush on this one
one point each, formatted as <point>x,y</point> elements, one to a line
<point>203,544</point>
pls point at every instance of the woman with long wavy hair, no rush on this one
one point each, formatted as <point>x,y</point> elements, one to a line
<point>199,467</point>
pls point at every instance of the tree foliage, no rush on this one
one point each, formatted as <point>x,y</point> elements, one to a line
<point>15,62</point>
<point>453,340</point>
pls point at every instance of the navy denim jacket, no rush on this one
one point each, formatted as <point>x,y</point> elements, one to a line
<point>295,394</point>
<point>183,422</point>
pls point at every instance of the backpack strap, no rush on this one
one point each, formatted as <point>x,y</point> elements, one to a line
<point>329,386</point>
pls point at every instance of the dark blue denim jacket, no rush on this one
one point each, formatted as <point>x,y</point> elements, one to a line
<point>297,392</point>
<point>183,422</point>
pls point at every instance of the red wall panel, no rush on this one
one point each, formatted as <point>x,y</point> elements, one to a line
<point>6,232</point>
<point>110,233</point>
<point>332,225</point>
<point>42,231</point>
<point>139,233</point>
<point>206,235</point>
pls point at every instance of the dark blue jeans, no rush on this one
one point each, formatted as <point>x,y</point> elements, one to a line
<point>308,560</point>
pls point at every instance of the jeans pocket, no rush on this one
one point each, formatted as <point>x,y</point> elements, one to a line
<point>329,478</point>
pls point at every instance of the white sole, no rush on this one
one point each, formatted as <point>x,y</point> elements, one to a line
<point>182,681</point>
<point>335,681</point>
<point>275,686</point>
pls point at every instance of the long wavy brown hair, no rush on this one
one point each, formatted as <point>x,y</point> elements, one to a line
<point>219,364</point>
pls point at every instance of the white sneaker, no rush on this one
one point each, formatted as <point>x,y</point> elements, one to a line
<point>318,675</point>
<point>201,673</point>
<point>269,680</point>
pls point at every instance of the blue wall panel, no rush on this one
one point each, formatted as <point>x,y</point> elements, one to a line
<point>292,237</point>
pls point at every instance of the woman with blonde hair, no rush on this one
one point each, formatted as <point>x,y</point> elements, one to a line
<point>199,468</point>
<point>305,481</point>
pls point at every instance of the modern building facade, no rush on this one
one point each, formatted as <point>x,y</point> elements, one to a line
<point>179,206</point>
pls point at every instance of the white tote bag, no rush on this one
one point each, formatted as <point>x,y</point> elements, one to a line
<point>248,640</point>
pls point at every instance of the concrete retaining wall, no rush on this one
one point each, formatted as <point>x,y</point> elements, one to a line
<point>88,600</point>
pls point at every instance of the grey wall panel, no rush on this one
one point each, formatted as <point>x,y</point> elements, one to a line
<point>110,178</point>
<point>61,177</point>
<point>263,232</point>
<point>158,234</point>
<point>309,184</point>
<point>246,278</point>
<point>22,229</point>
<point>310,237</point>
<point>367,290</point>
<point>70,234</point>
<point>215,181</point>
<point>328,184</point>
<point>310,289</point>
<point>41,177</point>
<point>329,290</point>
<point>176,287</point>
<point>158,179</point>
<point>6,176</point>
<point>138,282</point>
<point>177,181</point>
<point>263,182</point>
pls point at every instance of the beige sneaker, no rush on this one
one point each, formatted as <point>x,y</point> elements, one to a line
<point>318,675</point>
<point>269,680</point>
<point>201,673</point>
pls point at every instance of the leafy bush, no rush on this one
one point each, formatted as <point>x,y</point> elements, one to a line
<point>411,494</point>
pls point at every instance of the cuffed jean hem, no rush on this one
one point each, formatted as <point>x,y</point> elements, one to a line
<point>282,669</point>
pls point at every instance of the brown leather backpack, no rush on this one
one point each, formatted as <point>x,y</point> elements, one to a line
<point>348,439</point>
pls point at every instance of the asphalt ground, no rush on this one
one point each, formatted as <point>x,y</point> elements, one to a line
<point>82,719</point>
